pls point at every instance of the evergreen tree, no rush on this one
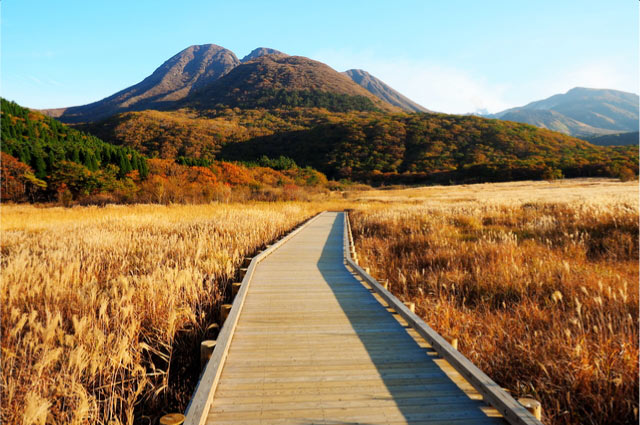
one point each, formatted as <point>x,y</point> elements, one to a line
<point>124,164</point>
<point>39,165</point>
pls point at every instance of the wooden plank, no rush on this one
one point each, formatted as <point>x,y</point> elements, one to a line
<point>313,344</point>
<point>512,411</point>
<point>310,343</point>
<point>198,407</point>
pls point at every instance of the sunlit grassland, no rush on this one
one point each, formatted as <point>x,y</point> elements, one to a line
<point>96,301</point>
<point>543,295</point>
<point>103,309</point>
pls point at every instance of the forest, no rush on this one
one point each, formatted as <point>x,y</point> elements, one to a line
<point>45,160</point>
<point>440,148</point>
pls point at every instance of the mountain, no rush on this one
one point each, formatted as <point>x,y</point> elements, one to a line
<point>580,112</point>
<point>383,91</point>
<point>618,139</point>
<point>261,51</point>
<point>192,68</point>
<point>209,76</point>
<point>274,81</point>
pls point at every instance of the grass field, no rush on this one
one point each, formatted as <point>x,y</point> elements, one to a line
<point>98,302</point>
<point>103,309</point>
<point>539,284</point>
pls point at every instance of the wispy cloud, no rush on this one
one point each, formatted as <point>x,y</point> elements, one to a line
<point>54,83</point>
<point>35,80</point>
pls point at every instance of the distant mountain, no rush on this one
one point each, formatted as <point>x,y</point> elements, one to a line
<point>618,139</point>
<point>552,120</point>
<point>580,112</point>
<point>192,68</point>
<point>261,51</point>
<point>383,91</point>
<point>286,81</point>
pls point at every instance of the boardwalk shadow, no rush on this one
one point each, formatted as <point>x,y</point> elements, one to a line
<point>420,389</point>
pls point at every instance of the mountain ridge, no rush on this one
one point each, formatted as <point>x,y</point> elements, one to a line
<point>580,111</point>
<point>382,90</point>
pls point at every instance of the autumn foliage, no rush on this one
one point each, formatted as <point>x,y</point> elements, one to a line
<point>18,179</point>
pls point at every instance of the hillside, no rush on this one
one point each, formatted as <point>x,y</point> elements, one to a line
<point>618,139</point>
<point>192,68</point>
<point>383,91</point>
<point>580,112</point>
<point>62,157</point>
<point>371,146</point>
<point>45,160</point>
<point>388,149</point>
<point>552,120</point>
<point>285,81</point>
<point>171,134</point>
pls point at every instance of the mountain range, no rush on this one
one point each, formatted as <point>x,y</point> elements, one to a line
<point>208,76</point>
<point>581,112</point>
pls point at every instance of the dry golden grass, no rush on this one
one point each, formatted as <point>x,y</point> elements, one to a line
<point>542,296</point>
<point>570,190</point>
<point>97,301</point>
<point>103,309</point>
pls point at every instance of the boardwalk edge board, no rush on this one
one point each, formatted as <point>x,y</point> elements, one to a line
<point>512,410</point>
<point>200,403</point>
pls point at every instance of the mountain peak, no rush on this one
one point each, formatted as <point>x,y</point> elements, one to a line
<point>581,111</point>
<point>191,68</point>
<point>261,51</point>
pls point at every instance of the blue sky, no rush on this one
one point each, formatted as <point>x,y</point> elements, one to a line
<point>449,55</point>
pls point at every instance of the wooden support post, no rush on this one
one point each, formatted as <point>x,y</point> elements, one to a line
<point>224,312</point>
<point>243,272</point>
<point>453,341</point>
<point>368,270</point>
<point>385,284</point>
<point>246,262</point>
<point>411,306</point>
<point>533,406</point>
<point>235,287</point>
<point>206,349</point>
<point>212,331</point>
<point>172,419</point>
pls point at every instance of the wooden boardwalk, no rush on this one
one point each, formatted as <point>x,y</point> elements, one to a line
<point>314,344</point>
